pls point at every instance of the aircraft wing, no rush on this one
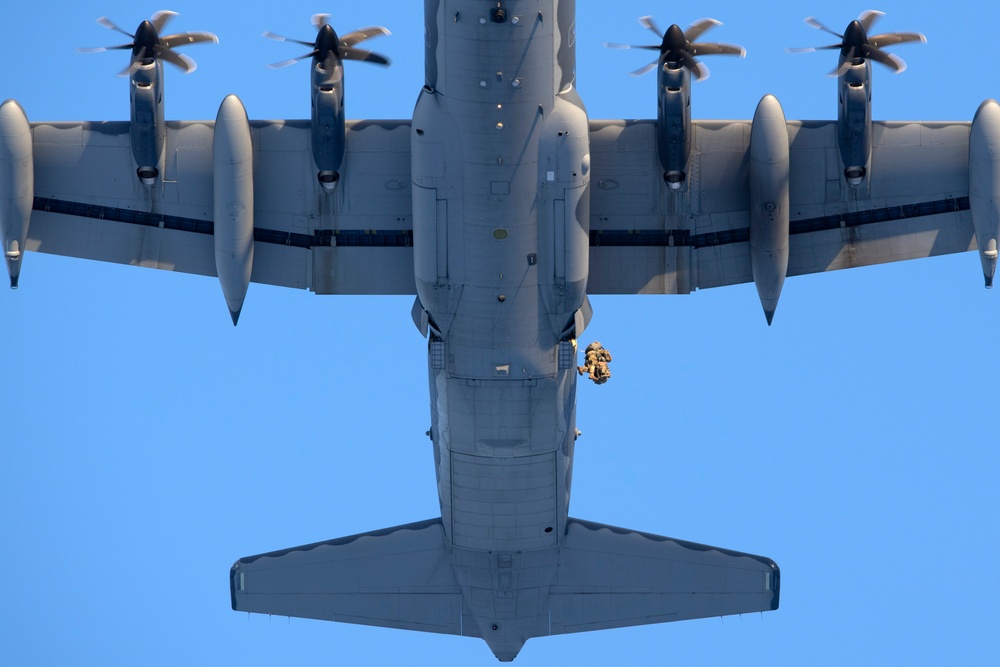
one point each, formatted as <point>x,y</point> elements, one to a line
<point>646,239</point>
<point>88,203</point>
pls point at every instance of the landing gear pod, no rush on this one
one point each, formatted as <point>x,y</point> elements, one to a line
<point>769,167</point>
<point>233,179</point>
<point>984,184</point>
<point>17,185</point>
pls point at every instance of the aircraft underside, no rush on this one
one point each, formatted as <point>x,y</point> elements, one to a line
<point>500,206</point>
<point>501,175</point>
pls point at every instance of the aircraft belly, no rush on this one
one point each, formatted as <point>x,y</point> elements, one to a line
<point>499,151</point>
<point>503,453</point>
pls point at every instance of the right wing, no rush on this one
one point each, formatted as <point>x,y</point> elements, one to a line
<point>358,240</point>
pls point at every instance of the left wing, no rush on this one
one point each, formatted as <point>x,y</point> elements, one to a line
<point>358,240</point>
<point>647,239</point>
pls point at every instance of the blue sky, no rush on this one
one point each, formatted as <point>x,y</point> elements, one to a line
<point>146,444</point>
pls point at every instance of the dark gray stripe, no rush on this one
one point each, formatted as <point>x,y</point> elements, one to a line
<point>683,237</point>
<point>393,238</point>
<point>403,238</point>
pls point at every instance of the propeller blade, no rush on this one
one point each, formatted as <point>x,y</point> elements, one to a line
<point>699,27</point>
<point>844,66</point>
<point>160,19</point>
<point>281,38</point>
<point>108,23</point>
<point>893,62</point>
<point>286,63</point>
<point>643,70</point>
<point>717,50</point>
<point>698,70</point>
<point>131,67</point>
<point>814,22</point>
<point>647,22</point>
<point>868,18</point>
<point>180,60</point>
<point>810,49</point>
<point>891,38</point>
<point>351,53</point>
<point>99,49</point>
<point>320,20</point>
<point>358,36</point>
<point>613,45</point>
<point>183,38</point>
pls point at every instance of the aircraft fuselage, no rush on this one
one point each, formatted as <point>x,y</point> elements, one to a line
<point>500,164</point>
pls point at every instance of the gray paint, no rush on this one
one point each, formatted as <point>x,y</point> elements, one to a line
<point>328,121</point>
<point>854,120</point>
<point>673,136</point>
<point>507,211</point>
<point>232,171</point>
<point>17,186</point>
<point>147,127</point>
<point>984,183</point>
<point>769,177</point>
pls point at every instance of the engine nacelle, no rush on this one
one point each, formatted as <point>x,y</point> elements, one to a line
<point>17,185</point>
<point>673,125</point>
<point>328,127</point>
<point>854,121</point>
<point>147,130</point>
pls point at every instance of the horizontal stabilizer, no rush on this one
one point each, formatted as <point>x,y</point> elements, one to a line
<point>396,578</point>
<point>598,577</point>
<point>613,577</point>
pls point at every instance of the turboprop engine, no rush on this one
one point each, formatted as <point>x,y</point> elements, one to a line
<point>147,129</point>
<point>854,94</point>
<point>675,65</point>
<point>328,54</point>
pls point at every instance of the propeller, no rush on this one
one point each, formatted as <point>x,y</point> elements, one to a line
<point>147,44</point>
<point>856,45</point>
<point>327,40</point>
<point>679,46</point>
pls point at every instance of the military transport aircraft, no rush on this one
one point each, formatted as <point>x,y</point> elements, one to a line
<point>501,206</point>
